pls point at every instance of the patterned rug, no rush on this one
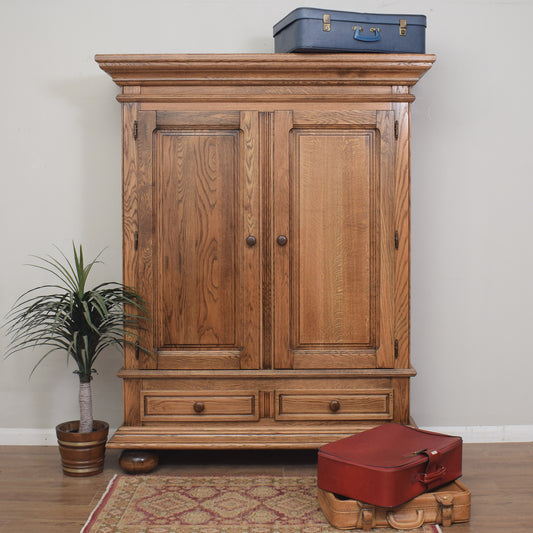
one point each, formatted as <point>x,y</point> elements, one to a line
<point>212,504</point>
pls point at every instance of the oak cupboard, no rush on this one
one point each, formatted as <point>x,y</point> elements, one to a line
<point>266,223</point>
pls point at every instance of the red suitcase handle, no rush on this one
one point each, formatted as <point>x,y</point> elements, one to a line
<point>431,477</point>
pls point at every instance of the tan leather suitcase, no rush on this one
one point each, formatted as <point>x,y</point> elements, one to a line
<point>446,505</point>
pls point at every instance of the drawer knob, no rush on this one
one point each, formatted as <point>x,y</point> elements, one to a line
<point>282,240</point>
<point>251,240</point>
<point>334,405</point>
<point>198,407</point>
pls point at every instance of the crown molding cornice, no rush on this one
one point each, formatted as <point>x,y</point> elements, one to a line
<point>259,69</point>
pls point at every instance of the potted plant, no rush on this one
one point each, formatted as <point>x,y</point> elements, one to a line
<point>67,316</point>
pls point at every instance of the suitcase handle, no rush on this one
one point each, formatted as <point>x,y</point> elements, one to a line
<point>433,476</point>
<point>366,38</point>
<point>405,524</point>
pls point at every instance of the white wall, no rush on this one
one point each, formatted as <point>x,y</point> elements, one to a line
<point>472,218</point>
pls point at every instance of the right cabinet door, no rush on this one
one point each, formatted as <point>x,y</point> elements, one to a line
<point>333,240</point>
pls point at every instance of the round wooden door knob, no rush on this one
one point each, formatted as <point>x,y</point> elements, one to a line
<point>282,240</point>
<point>198,407</point>
<point>334,405</point>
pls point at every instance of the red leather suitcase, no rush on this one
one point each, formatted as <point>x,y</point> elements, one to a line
<point>389,465</point>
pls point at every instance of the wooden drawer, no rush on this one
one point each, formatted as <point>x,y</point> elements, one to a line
<point>337,405</point>
<point>161,406</point>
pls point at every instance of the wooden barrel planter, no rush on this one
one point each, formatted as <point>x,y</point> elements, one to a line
<point>82,454</point>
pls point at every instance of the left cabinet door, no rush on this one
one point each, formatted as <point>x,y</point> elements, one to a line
<point>199,250</point>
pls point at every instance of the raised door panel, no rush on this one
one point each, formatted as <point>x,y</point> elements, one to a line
<point>206,289</point>
<point>196,222</point>
<point>333,279</point>
<point>334,256</point>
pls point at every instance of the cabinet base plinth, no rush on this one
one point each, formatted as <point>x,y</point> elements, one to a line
<point>166,438</point>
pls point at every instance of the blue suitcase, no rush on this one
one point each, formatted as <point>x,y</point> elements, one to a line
<point>308,29</point>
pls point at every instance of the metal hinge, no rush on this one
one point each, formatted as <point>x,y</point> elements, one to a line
<point>136,240</point>
<point>396,348</point>
<point>326,22</point>
<point>403,27</point>
<point>396,239</point>
<point>396,129</point>
<point>135,129</point>
<point>137,350</point>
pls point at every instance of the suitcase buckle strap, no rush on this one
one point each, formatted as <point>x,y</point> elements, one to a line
<point>446,509</point>
<point>368,518</point>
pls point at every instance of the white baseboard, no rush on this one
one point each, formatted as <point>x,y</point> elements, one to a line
<point>517,433</point>
<point>30,437</point>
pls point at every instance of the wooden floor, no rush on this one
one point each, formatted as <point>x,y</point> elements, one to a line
<point>35,497</point>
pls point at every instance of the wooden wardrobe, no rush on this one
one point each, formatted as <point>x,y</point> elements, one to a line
<point>266,224</point>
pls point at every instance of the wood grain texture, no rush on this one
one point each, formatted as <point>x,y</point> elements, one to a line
<point>183,359</point>
<point>332,357</point>
<point>252,277</point>
<point>202,119</point>
<point>334,118</point>
<point>267,169</point>
<point>402,225</point>
<point>129,211</point>
<point>266,374</point>
<point>401,400</point>
<point>232,153</point>
<point>209,286</point>
<point>260,69</point>
<point>331,240</point>
<point>267,404</point>
<point>386,162</point>
<point>131,393</point>
<point>199,406</point>
<point>197,187</point>
<point>239,435</point>
<point>146,124</point>
<point>342,270</point>
<point>267,104</point>
<point>334,405</point>
<point>281,226</point>
<point>170,429</point>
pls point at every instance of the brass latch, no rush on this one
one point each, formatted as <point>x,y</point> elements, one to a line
<point>360,28</point>
<point>403,27</point>
<point>326,22</point>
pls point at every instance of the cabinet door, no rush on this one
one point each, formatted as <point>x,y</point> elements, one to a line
<point>200,266</point>
<point>333,243</point>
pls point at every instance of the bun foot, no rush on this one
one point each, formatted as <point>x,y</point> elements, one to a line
<point>138,461</point>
